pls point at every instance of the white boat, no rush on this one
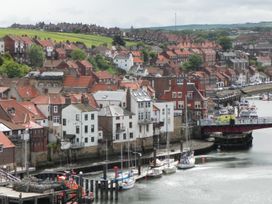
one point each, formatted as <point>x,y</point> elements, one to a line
<point>187,160</point>
<point>154,173</point>
<point>127,183</point>
<point>249,113</point>
<point>187,157</point>
<point>158,163</point>
<point>125,180</point>
<point>169,167</point>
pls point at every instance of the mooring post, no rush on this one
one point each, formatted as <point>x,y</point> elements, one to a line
<point>101,189</point>
<point>154,157</point>
<point>87,186</point>
<point>116,190</point>
<point>96,189</point>
<point>111,190</point>
<point>106,189</point>
<point>139,164</point>
<point>92,186</point>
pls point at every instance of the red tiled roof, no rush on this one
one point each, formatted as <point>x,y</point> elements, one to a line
<point>137,60</point>
<point>45,43</point>
<point>155,108</point>
<point>136,54</point>
<point>103,87</point>
<point>103,75</point>
<point>72,64</point>
<point>85,63</point>
<point>33,109</point>
<point>76,98</point>
<point>27,92</point>
<point>78,82</point>
<point>15,112</point>
<point>3,89</point>
<point>161,58</point>
<point>131,85</point>
<point>60,51</point>
<point>170,53</point>
<point>27,40</point>
<point>70,46</point>
<point>4,140</point>
<point>55,99</point>
<point>32,125</point>
<point>178,52</point>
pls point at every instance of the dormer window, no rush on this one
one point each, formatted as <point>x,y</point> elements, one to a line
<point>11,111</point>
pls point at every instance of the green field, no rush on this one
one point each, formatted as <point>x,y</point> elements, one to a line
<point>89,40</point>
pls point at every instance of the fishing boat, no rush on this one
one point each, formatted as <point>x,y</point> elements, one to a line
<point>187,158</point>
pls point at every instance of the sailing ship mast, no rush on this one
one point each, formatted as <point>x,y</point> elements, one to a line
<point>186,120</point>
<point>166,130</point>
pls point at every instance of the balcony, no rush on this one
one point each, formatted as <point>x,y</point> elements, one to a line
<point>120,129</point>
<point>145,121</point>
<point>158,124</point>
<point>78,145</point>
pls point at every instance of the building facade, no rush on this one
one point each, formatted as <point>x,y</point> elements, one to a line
<point>80,125</point>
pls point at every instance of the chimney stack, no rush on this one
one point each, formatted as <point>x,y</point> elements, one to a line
<point>84,99</point>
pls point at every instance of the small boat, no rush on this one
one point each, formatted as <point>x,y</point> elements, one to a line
<point>187,157</point>
<point>154,173</point>
<point>127,183</point>
<point>169,166</point>
<point>187,160</point>
<point>169,169</point>
<point>158,163</point>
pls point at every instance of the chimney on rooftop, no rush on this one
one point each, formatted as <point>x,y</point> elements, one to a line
<point>67,99</point>
<point>84,99</point>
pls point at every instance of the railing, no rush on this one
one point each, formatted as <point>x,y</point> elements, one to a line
<point>145,121</point>
<point>120,129</point>
<point>77,145</point>
<point>6,177</point>
<point>237,121</point>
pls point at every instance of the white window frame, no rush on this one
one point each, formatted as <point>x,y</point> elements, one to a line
<point>55,109</point>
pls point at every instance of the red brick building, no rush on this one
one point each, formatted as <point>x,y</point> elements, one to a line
<point>175,89</point>
<point>7,152</point>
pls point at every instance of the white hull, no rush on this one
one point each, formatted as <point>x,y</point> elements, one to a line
<point>187,160</point>
<point>127,183</point>
<point>154,173</point>
<point>169,169</point>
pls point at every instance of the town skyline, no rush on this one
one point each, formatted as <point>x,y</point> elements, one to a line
<point>126,14</point>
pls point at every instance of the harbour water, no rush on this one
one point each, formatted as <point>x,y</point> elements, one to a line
<point>241,177</point>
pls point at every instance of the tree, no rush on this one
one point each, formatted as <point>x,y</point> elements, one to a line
<point>225,42</point>
<point>194,62</point>
<point>12,69</point>
<point>78,54</point>
<point>36,55</point>
<point>118,40</point>
<point>1,60</point>
<point>145,56</point>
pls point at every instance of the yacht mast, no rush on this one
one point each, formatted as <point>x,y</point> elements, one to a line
<point>166,130</point>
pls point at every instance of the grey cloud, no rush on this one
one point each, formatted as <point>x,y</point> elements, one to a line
<point>140,13</point>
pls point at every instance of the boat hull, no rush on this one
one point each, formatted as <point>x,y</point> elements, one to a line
<point>169,169</point>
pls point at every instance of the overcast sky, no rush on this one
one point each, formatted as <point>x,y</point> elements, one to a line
<point>137,13</point>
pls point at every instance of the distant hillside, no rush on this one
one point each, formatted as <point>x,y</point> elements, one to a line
<point>214,26</point>
<point>89,40</point>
